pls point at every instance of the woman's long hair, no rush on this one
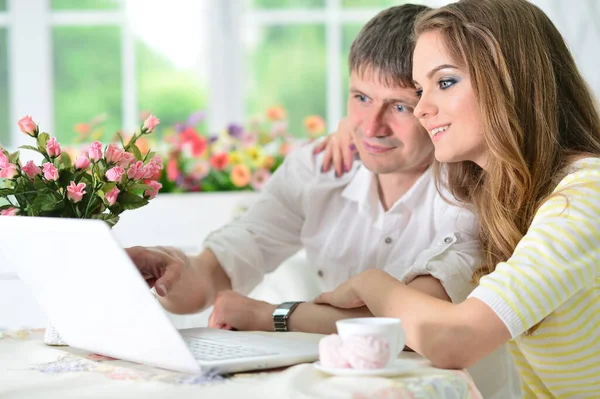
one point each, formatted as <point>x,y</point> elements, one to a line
<point>537,113</point>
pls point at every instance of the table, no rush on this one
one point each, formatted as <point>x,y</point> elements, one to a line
<point>30,369</point>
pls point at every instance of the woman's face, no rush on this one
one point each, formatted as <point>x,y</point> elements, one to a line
<point>447,107</point>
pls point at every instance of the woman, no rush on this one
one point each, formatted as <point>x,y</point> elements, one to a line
<point>517,131</point>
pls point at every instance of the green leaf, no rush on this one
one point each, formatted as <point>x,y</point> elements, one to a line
<point>66,160</point>
<point>39,184</point>
<point>149,155</point>
<point>108,186</point>
<point>140,186</point>
<point>131,201</point>
<point>65,178</point>
<point>45,201</point>
<point>136,152</point>
<point>14,158</point>
<point>4,192</point>
<point>121,139</point>
<point>42,140</point>
<point>109,218</point>
<point>29,147</point>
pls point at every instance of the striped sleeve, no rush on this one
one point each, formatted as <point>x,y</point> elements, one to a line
<point>557,258</point>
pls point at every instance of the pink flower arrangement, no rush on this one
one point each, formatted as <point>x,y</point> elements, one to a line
<point>100,184</point>
<point>240,157</point>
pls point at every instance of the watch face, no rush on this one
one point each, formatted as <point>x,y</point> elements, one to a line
<point>280,312</point>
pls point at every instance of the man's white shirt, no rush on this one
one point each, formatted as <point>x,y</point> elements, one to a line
<point>344,230</point>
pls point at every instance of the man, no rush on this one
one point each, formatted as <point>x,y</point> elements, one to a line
<point>383,213</point>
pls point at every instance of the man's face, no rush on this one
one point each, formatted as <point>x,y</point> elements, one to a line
<point>388,137</point>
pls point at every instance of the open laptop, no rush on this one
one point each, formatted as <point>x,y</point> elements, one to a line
<point>96,298</point>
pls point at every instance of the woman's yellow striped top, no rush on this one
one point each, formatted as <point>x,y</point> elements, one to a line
<point>553,277</point>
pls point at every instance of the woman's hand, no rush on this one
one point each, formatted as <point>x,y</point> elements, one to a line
<point>343,297</point>
<point>339,148</point>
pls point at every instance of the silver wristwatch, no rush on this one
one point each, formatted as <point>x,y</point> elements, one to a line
<point>281,315</point>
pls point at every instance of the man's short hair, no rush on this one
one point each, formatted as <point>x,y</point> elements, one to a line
<point>385,45</point>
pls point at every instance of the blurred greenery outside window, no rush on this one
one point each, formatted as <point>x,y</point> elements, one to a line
<point>88,73</point>
<point>285,65</point>
<point>2,5</point>
<point>4,106</point>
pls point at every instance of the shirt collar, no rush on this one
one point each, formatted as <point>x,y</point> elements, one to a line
<point>363,190</point>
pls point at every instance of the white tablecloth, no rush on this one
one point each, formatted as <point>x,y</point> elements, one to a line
<point>29,369</point>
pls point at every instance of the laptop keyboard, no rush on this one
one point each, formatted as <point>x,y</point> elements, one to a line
<point>207,349</point>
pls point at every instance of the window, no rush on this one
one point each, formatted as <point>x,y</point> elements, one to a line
<point>115,65</point>
<point>296,55</point>
<point>87,79</point>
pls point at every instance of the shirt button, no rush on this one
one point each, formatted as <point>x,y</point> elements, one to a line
<point>320,273</point>
<point>388,240</point>
<point>447,240</point>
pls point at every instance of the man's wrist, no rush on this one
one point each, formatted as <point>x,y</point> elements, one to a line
<point>265,317</point>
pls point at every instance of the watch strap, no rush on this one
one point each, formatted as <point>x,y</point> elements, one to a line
<point>282,314</point>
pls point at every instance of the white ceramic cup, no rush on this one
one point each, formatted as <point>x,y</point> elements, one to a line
<point>383,327</point>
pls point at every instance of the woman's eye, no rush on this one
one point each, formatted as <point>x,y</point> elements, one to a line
<point>400,108</point>
<point>446,83</point>
<point>419,92</point>
<point>361,97</point>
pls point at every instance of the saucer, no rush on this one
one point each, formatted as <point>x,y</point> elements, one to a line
<point>401,366</point>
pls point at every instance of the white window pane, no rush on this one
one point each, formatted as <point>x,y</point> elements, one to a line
<point>286,66</point>
<point>281,4</point>
<point>4,114</point>
<point>171,62</point>
<point>87,79</point>
<point>85,4</point>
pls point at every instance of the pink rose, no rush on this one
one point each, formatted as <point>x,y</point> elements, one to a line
<point>153,190</point>
<point>75,192</point>
<point>150,123</point>
<point>113,153</point>
<point>31,170</point>
<point>115,174</point>
<point>126,159</point>
<point>8,172</point>
<point>136,171</point>
<point>152,171</point>
<point>27,125</point>
<point>50,171</point>
<point>3,159</point>
<point>82,162</point>
<point>111,196</point>
<point>9,211</point>
<point>95,151</point>
<point>53,147</point>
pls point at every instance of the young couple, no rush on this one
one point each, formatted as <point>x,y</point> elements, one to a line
<point>516,134</point>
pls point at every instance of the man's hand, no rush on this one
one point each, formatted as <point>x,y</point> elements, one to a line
<point>161,267</point>
<point>236,311</point>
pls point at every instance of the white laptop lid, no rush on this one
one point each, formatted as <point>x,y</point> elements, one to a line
<point>91,291</point>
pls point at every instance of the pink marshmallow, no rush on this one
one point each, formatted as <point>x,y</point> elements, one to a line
<point>366,352</point>
<point>331,352</point>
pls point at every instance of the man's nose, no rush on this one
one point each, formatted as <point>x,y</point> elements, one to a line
<point>373,124</point>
